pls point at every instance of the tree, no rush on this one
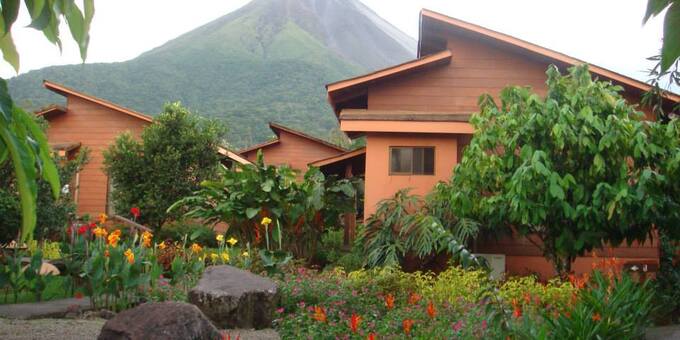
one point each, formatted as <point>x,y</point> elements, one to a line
<point>21,139</point>
<point>571,168</point>
<point>176,153</point>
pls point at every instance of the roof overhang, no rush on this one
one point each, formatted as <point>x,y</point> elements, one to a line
<point>65,91</point>
<point>50,110</point>
<point>347,90</point>
<point>432,24</point>
<point>233,156</point>
<point>359,122</point>
<point>339,158</point>
<point>278,128</point>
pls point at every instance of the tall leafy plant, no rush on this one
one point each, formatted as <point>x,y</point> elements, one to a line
<point>572,168</point>
<point>21,140</point>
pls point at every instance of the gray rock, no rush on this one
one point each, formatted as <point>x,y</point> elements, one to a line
<point>160,320</point>
<point>234,298</point>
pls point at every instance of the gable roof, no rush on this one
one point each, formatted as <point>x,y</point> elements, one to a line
<point>427,35</point>
<point>342,88</point>
<point>50,110</point>
<point>277,128</point>
<point>66,91</point>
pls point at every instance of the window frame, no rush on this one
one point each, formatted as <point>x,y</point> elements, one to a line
<point>411,173</point>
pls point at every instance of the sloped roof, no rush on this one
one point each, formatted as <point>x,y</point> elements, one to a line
<point>50,110</point>
<point>460,25</point>
<point>66,91</point>
<point>277,128</point>
<point>338,158</point>
<point>232,155</point>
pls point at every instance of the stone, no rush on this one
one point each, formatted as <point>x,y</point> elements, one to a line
<point>160,320</point>
<point>234,298</point>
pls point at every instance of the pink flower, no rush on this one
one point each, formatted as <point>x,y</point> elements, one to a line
<point>458,326</point>
<point>280,310</point>
<point>483,324</point>
<point>301,304</point>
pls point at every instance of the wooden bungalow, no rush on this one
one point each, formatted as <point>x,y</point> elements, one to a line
<point>415,117</point>
<point>94,123</point>
<point>293,148</point>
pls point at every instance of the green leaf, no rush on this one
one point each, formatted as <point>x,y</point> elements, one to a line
<point>10,11</point>
<point>9,51</point>
<point>6,103</point>
<point>654,7</point>
<point>670,51</point>
<point>252,212</point>
<point>555,188</point>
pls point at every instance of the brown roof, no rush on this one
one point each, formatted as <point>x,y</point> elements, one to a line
<point>338,158</point>
<point>65,91</point>
<point>457,24</point>
<point>277,128</point>
<point>341,88</point>
<point>51,109</point>
<point>232,155</point>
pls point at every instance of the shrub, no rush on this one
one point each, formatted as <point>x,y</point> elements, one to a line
<point>528,291</point>
<point>176,153</point>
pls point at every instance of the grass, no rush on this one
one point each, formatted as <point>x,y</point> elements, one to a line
<point>55,289</point>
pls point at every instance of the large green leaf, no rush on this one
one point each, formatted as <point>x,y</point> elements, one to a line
<point>10,11</point>
<point>9,51</point>
<point>670,50</point>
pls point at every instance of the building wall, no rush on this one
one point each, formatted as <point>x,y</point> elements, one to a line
<point>96,127</point>
<point>380,185</point>
<point>293,150</point>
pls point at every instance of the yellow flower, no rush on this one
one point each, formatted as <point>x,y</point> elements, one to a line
<point>130,256</point>
<point>146,239</point>
<point>100,232</point>
<point>113,238</point>
<point>219,238</point>
<point>232,241</point>
<point>102,218</point>
<point>161,245</point>
<point>245,254</point>
<point>195,248</point>
<point>225,257</point>
<point>266,221</point>
<point>214,257</point>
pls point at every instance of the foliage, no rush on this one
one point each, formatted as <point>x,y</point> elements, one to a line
<point>52,215</point>
<point>670,50</point>
<point>405,226</point>
<point>176,153</point>
<point>244,197</point>
<point>194,231</point>
<point>50,250</point>
<point>19,277</point>
<point>655,98</point>
<point>21,139</point>
<point>667,284</point>
<point>572,168</point>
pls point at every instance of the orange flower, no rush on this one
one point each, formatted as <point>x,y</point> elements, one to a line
<point>106,253</point>
<point>389,301</point>
<point>407,324</point>
<point>431,311</point>
<point>597,317</point>
<point>146,239</point>
<point>413,298</point>
<point>319,314</point>
<point>130,256</point>
<point>527,298</point>
<point>78,295</point>
<point>113,238</point>
<point>371,336</point>
<point>354,322</point>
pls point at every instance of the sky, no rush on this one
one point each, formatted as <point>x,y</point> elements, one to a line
<point>607,33</point>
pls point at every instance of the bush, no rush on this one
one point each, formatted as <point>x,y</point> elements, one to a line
<point>194,232</point>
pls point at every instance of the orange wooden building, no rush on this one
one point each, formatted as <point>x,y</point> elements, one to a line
<point>415,117</point>
<point>90,122</point>
<point>293,148</point>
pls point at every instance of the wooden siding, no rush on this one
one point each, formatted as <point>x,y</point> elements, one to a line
<point>96,127</point>
<point>292,150</point>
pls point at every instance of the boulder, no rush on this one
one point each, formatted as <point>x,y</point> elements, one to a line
<point>160,320</point>
<point>234,298</point>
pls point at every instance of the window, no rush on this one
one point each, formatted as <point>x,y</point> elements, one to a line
<point>412,160</point>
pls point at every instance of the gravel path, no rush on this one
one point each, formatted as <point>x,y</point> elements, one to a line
<point>62,329</point>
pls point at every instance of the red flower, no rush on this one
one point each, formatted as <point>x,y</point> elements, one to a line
<point>69,230</point>
<point>78,295</point>
<point>83,228</point>
<point>413,298</point>
<point>319,314</point>
<point>354,322</point>
<point>135,212</point>
<point>431,311</point>
<point>407,324</point>
<point>597,317</point>
<point>371,336</point>
<point>517,311</point>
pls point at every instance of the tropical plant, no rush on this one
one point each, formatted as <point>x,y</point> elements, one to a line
<point>572,168</point>
<point>176,153</point>
<point>670,50</point>
<point>243,197</point>
<point>52,214</point>
<point>21,139</point>
<point>405,225</point>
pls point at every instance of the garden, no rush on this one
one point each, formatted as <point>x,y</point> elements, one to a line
<point>410,272</point>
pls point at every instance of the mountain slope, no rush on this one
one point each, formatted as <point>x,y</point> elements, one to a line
<point>267,61</point>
